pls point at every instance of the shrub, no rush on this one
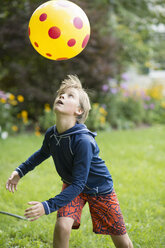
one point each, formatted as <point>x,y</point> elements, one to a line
<point>97,119</point>
<point>13,119</point>
<point>128,108</point>
<point>46,120</point>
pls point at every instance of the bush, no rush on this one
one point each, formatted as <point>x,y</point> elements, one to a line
<point>128,108</point>
<point>97,118</point>
<point>13,119</point>
<point>47,119</point>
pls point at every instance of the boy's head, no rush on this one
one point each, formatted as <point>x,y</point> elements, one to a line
<point>72,85</point>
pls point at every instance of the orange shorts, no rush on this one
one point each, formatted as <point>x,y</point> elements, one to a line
<point>104,209</point>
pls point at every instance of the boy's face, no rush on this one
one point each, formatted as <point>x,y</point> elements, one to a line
<point>67,103</point>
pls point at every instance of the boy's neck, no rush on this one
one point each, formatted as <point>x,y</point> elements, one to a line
<point>63,124</point>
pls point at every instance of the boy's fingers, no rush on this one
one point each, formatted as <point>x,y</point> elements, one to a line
<point>35,218</point>
<point>28,209</point>
<point>9,187</point>
<point>13,188</point>
<point>33,203</point>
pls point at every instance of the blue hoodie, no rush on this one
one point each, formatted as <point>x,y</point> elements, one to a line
<point>76,157</point>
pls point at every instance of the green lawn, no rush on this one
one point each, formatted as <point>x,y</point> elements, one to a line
<point>136,160</point>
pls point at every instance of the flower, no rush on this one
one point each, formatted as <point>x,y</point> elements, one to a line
<point>156,92</point>
<point>20,98</point>
<point>24,115</point>
<point>162,104</point>
<point>114,91</point>
<point>14,128</point>
<point>13,102</point>
<point>11,97</point>
<point>3,100</point>
<point>103,111</point>
<point>125,76</point>
<point>37,133</point>
<point>152,105</point>
<point>19,115</point>
<point>4,135</point>
<point>105,88</point>
<point>102,120</point>
<point>47,108</point>
<point>95,105</point>
<point>124,86</point>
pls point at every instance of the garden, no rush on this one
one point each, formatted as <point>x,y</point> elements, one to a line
<point>117,107</point>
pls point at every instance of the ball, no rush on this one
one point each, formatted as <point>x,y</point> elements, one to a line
<point>59,30</point>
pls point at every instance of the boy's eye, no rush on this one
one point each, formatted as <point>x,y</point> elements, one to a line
<point>70,95</point>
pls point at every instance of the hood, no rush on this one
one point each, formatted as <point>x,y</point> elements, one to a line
<point>78,128</point>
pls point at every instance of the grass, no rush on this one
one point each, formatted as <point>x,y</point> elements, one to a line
<point>135,159</point>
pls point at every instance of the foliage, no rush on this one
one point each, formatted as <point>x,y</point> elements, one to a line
<point>13,117</point>
<point>130,107</point>
<point>97,118</point>
<point>134,157</point>
<point>47,119</point>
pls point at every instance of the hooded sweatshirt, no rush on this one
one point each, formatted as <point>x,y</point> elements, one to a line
<point>76,158</point>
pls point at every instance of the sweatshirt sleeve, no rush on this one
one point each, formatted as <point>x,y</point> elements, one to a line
<point>35,159</point>
<point>81,166</point>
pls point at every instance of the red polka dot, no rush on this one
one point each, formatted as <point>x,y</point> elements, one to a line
<point>29,31</point>
<point>48,54</point>
<point>85,41</point>
<point>54,32</point>
<point>43,17</point>
<point>71,42</point>
<point>36,44</point>
<point>61,59</point>
<point>78,23</point>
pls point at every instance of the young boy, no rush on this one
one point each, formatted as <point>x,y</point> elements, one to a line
<point>84,174</point>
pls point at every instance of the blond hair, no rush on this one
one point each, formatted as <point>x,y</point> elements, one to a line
<point>72,81</point>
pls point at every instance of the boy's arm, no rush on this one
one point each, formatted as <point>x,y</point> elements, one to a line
<point>81,167</point>
<point>35,159</point>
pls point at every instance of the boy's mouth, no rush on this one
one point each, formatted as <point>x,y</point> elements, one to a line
<point>59,102</point>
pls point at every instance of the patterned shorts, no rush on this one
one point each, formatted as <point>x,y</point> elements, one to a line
<point>104,209</point>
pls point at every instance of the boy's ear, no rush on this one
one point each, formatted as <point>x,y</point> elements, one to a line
<point>79,111</point>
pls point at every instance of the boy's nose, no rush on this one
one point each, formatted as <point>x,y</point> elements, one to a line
<point>62,96</point>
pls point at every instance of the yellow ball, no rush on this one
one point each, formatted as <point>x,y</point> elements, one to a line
<point>59,30</point>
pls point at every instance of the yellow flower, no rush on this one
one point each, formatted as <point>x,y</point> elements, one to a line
<point>3,100</point>
<point>148,64</point>
<point>103,111</point>
<point>102,120</point>
<point>11,97</point>
<point>24,113</point>
<point>19,115</point>
<point>37,128</point>
<point>156,92</point>
<point>47,107</point>
<point>37,133</point>
<point>13,102</point>
<point>163,104</point>
<point>14,128</point>
<point>95,105</point>
<point>20,98</point>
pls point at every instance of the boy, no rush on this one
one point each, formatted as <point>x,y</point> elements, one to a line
<point>84,174</point>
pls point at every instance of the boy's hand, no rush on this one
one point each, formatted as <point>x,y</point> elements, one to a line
<point>36,211</point>
<point>13,181</point>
